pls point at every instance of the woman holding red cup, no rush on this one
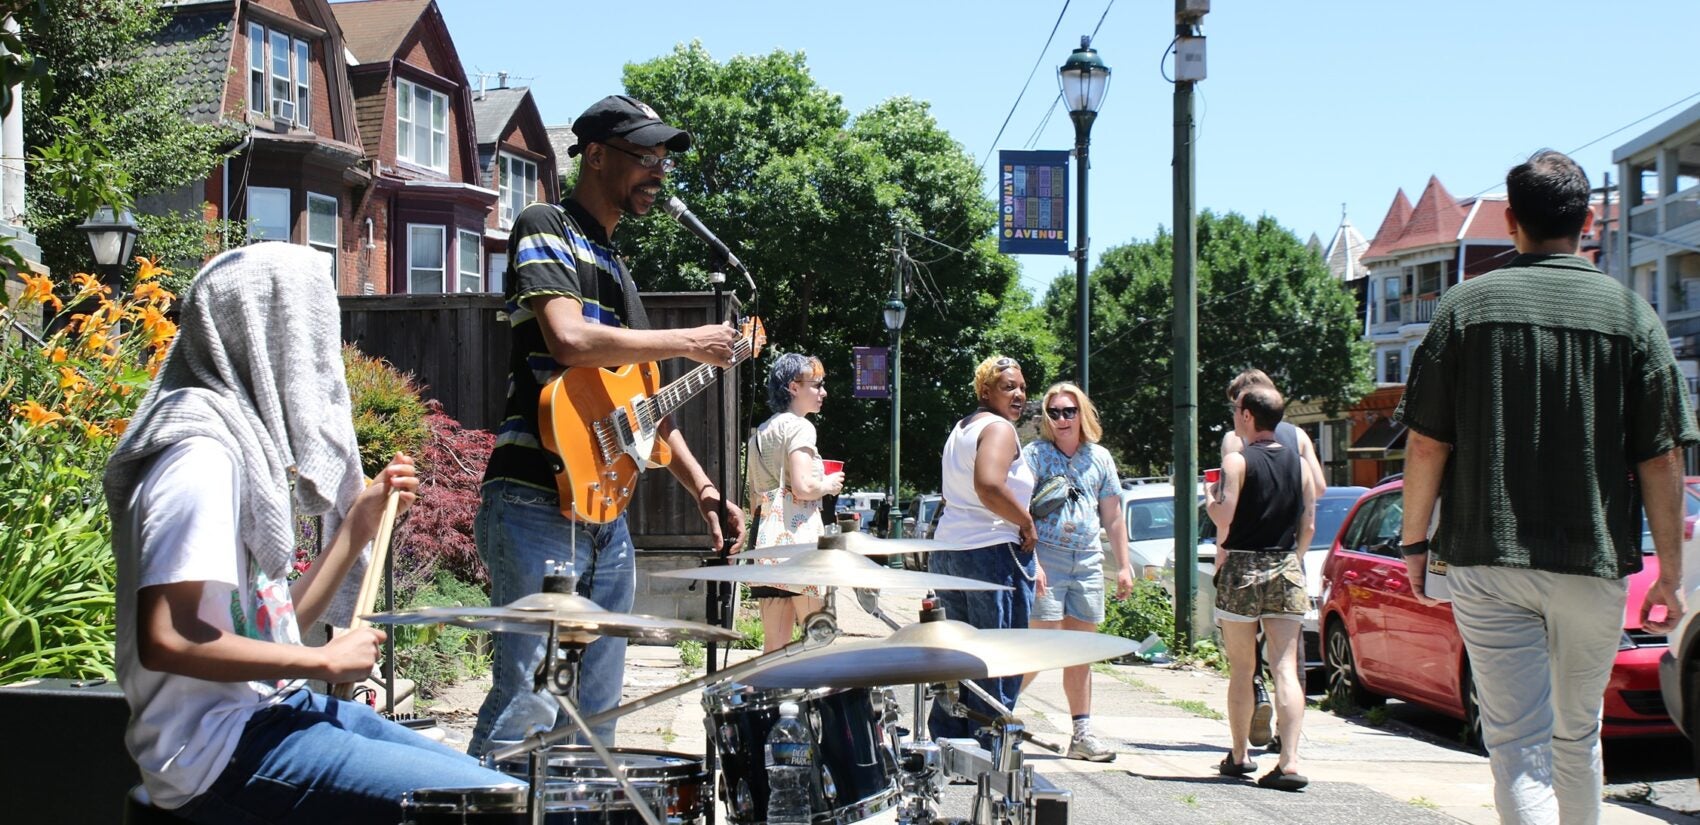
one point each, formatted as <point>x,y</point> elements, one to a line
<point>787,481</point>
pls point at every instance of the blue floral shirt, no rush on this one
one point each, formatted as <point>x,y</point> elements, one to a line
<point>1092,471</point>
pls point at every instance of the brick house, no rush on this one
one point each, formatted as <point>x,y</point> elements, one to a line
<point>275,65</point>
<point>516,158</point>
<point>423,219</point>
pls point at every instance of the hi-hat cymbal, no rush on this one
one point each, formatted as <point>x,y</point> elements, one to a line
<point>940,651</point>
<point>831,568</point>
<point>574,618</point>
<point>861,544</point>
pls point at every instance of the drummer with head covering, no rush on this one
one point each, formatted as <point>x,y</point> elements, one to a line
<point>247,426</point>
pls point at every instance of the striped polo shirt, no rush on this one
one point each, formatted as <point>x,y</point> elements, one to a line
<point>553,250</point>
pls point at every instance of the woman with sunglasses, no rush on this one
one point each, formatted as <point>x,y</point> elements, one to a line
<point>987,487</point>
<point>786,484</point>
<point>1071,596</point>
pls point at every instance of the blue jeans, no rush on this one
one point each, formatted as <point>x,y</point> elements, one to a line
<point>322,761</point>
<point>987,609</point>
<point>518,530</point>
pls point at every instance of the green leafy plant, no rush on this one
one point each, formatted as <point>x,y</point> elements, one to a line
<point>1148,609</point>
<point>750,633</point>
<point>691,654</point>
<point>388,415</point>
<point>437,656</point>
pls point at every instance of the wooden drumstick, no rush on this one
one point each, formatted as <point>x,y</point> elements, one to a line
<point>374,575</point>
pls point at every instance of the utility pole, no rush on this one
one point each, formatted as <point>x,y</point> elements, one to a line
<point>1189,69</point>
<point>894,313</point>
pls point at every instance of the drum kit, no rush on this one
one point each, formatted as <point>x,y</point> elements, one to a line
<point>865,769</point>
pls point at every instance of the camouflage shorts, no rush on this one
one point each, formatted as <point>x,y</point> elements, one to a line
<point>1255,585</point>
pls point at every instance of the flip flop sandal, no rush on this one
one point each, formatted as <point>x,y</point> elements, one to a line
<point>1282,781</point>
<point>1227,767</point>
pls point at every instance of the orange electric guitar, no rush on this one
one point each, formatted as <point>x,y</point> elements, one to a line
<point>602,426</point>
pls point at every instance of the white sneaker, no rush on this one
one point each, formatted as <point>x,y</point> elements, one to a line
<point>1089,749</point>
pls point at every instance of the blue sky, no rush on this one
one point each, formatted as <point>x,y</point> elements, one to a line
<point>1309,103</point>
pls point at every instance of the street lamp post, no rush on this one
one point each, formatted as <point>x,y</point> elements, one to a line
<point>894,313</point>
<point>1084,79</point>
<point>112,235</point>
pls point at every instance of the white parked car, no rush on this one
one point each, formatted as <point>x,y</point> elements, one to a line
<point>1679,668</point>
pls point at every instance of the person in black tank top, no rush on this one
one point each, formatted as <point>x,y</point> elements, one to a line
<point>1264,520</point>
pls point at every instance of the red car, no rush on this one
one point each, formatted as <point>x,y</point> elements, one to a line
<point>1379,642</point>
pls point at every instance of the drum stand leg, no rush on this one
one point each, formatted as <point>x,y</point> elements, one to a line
<point>615,769</point>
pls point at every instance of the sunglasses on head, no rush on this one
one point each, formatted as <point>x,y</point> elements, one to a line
<point>1004,363</point>
<point>1064,413</point>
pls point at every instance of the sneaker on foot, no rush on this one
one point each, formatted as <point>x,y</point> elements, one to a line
<point>1261,733</point>
<point>1088,748</point>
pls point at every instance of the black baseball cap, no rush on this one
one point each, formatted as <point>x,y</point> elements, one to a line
<point>626,117</point>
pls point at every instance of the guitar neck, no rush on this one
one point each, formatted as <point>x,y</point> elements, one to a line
<point>668,399</point>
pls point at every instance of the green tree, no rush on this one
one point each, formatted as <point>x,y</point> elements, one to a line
<point>113,104</point>
<point>1264,301</point>
<point>813,200</point>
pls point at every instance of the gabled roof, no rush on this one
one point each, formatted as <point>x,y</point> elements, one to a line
<point>493,109</point>
<point>374,29</point>
<point>1434,220</point>
<point>1485,220</point>
<point>206,37</point>
<point>1391,225</point>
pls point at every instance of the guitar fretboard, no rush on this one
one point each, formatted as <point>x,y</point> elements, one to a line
<point>668,399</point>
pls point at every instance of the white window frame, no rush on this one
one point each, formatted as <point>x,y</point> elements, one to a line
<point>336,229</point>
<point>407,126</point>
<point>269,194</point>
<point>1391,298</point>
<point>514,198</point>
<point>265,82</point>
<point>1398,357</point>
<point>470,241</point>
<point>442,252</point>
<point>496,264</point>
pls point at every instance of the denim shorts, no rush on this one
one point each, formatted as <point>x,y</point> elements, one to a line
<point>1252,585</point>
<point>1074,584</point>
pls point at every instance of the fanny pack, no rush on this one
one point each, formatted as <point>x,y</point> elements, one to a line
<point>1050,496</point>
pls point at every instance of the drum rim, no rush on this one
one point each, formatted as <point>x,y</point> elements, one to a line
<point>682,765</point>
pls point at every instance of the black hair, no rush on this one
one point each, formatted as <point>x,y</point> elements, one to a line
<point>1265,405</point>
<point>1548,195</point>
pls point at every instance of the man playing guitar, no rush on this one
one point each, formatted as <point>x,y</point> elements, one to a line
<point>572,303</point>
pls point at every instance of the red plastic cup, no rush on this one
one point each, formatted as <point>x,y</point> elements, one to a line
<point>828,466</point>
<point>1212,475</point>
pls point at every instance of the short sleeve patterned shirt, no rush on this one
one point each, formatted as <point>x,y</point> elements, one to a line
<point>1092,471</point>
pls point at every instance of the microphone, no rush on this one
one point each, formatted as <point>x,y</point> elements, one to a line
<point>681,213</point>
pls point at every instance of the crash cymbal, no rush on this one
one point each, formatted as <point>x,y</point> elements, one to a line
<point>861,544</point>
<point>940,651</point>
<point>574,617</point>
<point>831,568</point>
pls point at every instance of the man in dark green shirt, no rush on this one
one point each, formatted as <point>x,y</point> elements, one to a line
<point>1545,408</point>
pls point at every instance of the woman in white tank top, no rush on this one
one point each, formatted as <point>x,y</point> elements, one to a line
<point>987,486</point>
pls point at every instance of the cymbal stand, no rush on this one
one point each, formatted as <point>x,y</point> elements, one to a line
<point>819,629</point>
<point>869,599</point>
<point>1003,781</point>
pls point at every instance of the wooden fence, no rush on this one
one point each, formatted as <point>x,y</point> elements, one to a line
<point>457,346</point>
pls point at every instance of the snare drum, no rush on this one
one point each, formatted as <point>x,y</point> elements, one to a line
<point>857,774</point>
<point>581,789</point>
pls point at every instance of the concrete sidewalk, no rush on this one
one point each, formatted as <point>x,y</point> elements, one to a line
<point>1168,725</point>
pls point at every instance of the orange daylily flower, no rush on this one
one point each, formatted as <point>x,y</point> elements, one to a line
<point>96,342</point>
<point>87,284</point>
<point>117,426</point>
<point>147,270</point>
<point>92,431</point>
<point>35,414</point>
<point>38,289</point>
<point>71,381</point>
<point>57,355</point>
<point>152,293</point>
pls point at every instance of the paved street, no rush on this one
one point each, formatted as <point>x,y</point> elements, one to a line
<point>1165,722</point>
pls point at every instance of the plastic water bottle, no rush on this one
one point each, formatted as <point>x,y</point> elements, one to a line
<point>790,761</point>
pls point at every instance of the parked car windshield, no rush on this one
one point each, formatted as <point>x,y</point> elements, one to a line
<point>1330,512</point>
<point>1150,519</point>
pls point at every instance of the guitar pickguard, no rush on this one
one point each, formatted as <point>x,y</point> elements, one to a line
<point>637,438</point>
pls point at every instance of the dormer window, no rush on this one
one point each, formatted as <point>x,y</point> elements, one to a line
<point>422,126</point>
<point>279,76</point>
<point>518,183</point>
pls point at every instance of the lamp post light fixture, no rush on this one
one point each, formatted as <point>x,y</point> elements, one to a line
<point>894,313</point>
<point>112,236</point>
<point>1084,79</point>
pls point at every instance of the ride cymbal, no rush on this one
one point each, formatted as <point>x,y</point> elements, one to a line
<point>861,544</point>
<point>939,651</point>
<point>574,617</point>
<point>831,568</point>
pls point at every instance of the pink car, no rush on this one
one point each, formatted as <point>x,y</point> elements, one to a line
<point>1379,641</point>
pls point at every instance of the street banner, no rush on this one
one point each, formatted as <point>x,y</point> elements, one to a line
<point>871,380</point>
<point>1033,202</point>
